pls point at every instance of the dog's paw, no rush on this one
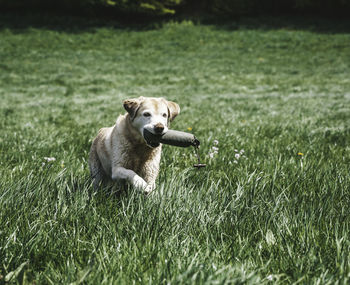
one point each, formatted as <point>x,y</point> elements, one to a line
<point>139,183</point>
<point>148,189</point>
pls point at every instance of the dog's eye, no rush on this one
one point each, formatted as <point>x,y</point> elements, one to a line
<point>147,114</point>
<point>164,115</point>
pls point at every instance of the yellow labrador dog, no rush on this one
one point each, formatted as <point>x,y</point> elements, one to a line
<point>121,153</point>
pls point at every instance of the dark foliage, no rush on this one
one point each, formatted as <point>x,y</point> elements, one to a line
<point>189,7</point>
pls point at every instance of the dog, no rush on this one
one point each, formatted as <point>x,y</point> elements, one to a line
<point>121,154</point>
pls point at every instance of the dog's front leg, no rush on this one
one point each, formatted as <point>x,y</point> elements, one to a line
<point>121,173</point>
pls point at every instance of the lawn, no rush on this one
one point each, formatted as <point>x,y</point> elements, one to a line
<point>269,100</point>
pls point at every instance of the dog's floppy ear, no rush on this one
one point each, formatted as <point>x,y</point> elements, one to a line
<point>131,106</point>
<point>173,109</point>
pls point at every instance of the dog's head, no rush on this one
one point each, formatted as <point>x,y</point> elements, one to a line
<point>152,114</point>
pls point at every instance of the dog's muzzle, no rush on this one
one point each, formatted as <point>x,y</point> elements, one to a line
<point>150,138</point>
<point>158,129</point>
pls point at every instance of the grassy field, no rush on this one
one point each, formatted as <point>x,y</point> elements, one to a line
<point>270,102</point>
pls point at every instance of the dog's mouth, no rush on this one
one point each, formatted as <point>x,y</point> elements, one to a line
<point>151,139</point>
<point>153,145</point>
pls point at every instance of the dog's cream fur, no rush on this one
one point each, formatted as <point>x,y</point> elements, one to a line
<point>120,153</point>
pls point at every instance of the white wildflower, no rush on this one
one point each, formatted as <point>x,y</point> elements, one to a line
<point>270,277</point>
<point>49,159</point>
<point>237,155</point>
<point>241,151</point>
<point>214,149</point>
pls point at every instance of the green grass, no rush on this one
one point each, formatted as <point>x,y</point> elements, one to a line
<point>271,216</point>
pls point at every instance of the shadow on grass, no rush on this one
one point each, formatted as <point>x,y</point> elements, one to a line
<point>59,21</point>
<point>314,24</point>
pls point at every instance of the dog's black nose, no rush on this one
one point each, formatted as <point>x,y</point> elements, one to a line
<point>159,128</point>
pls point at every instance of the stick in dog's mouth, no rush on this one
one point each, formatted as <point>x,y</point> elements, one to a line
<point>171,137</point>
<point>175,138</point>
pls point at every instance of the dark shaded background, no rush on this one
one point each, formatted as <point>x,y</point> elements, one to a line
<point>170,8</point>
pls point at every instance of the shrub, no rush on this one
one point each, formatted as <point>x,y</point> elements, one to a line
<point>192,7</point>
<point>153,7</point>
